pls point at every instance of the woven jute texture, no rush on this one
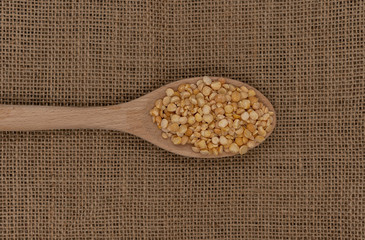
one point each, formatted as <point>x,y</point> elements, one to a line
<point>306,181</point>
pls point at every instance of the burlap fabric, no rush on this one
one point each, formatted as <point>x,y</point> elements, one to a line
<point>306,181</point>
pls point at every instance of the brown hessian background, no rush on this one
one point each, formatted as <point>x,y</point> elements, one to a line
<point>306,181</point>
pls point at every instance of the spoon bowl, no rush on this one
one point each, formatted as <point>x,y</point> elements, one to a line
<point>132,117</point>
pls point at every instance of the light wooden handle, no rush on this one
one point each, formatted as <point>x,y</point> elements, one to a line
<point>25,118</point>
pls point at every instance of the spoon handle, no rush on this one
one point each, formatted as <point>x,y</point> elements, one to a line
<point>27,118</point>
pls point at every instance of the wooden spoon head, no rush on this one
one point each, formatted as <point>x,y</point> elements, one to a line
<point>150,132</point>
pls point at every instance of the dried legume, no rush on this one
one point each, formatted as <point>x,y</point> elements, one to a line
<point>213,116</point>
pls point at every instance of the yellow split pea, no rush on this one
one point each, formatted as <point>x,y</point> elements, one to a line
<point>213,116</point>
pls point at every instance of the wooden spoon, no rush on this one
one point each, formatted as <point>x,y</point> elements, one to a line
<point>132,117</point>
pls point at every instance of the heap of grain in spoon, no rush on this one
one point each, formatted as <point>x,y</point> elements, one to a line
<point>213,116</point>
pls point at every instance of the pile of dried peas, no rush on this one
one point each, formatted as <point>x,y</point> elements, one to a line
<point>213,116</point>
